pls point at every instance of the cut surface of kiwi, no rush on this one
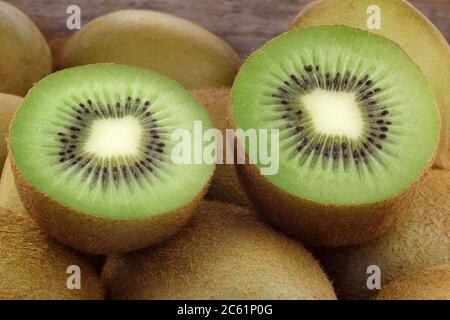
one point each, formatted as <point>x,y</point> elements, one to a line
<point>34,266</point>
<point>408,27</point>
<point>226,252</point>
<point>172,46</point>
<point>94,144</point>
<point>358,127</point>
<point>25,56</point>
<point>420,238</point>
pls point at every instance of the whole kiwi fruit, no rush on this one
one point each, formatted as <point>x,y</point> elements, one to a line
<point>226,252</point>
<point>172,46</point>
<point>432,283</point>
<point>419,239</point>
<point>25,56</point>
<point>94,161</point>
<point>225,185</point>
<point>8,105</point>
<point>35,267</point>
<point>355,125</point>
<point>408,27</point>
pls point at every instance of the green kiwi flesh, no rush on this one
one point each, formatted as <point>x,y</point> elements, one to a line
<point>419,239</point>
<point>226,252</point>
<point>432,283</point>
<point>225,185</point>
<point>8,105</point>
<point>34,267</point>
<point>25,56</point>
<point>408,27</point>
<point>358,129</point>
<point>172,46</point>
<point>91,153</point>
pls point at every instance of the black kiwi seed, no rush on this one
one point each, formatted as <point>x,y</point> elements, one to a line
<point>366,91</point>
<point>73,135</point>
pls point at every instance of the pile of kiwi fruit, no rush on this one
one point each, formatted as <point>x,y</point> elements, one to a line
<point>90,190</point>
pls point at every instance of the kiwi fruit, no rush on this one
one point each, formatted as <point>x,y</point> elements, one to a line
<point>226,252</point>
<point>92,157</point>
<point>410,29</point>
<point>25,56</point>
<point>8,105</point>
<point>225,185</point>
<point>9,197</point>
<point>431,283</point>
<point>358,129</point>
<point>34,267</point>
<point>420,238</point>
<point>172,46</point>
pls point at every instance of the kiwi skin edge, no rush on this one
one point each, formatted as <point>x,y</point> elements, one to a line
<point>431,283</point>
<point>400,20</point>
<point>319,224</point>
<point>98,235</point>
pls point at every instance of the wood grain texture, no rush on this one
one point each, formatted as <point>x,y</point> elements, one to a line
<point>245,24</point>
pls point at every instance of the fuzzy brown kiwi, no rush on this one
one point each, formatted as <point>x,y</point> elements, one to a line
<point>9,197</point>
<point>226,252</point>
<point>33,266</point>
<point>82,182</point>
<point>170,45</point>
<point>432,283</point>
<point>8,105</point>
<point>419,239</point>
<point>225,185</point>
<point>25,57</point>
<point>408,27</point>
<point>348,162</point>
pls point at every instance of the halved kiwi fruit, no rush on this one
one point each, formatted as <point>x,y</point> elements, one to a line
<point>33,266</point>
<point>410,29</point>
<point>8,105</point>
<point>358,128</point>
<point>9,197</point>
<point>431,283</point>
<point>226,252</point>
<point>91,153</point>
<point>172,46</point>
<point>225,185</point>
<point>419,239</point>
<point>24,53</point>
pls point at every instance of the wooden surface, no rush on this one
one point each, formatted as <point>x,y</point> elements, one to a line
<point>245,24</point>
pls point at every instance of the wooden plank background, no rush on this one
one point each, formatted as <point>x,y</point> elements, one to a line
<point>245,24</point>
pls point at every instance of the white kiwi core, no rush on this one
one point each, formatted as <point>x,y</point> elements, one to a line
<point>114,137</point>
<point>334,113</point>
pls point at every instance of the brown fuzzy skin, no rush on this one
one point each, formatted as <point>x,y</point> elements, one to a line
<point>427,284</point>
<point>9,197</point>
<point>172,46</point>
<point>420,238</point>
<point>411,30</point>
<point>25,56</point>
<point>8,106</point>
<point>33,266</point>
<point>225,184</point>
<point>98,235</point>
<point>320,225</point>
<point>226,252</point>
